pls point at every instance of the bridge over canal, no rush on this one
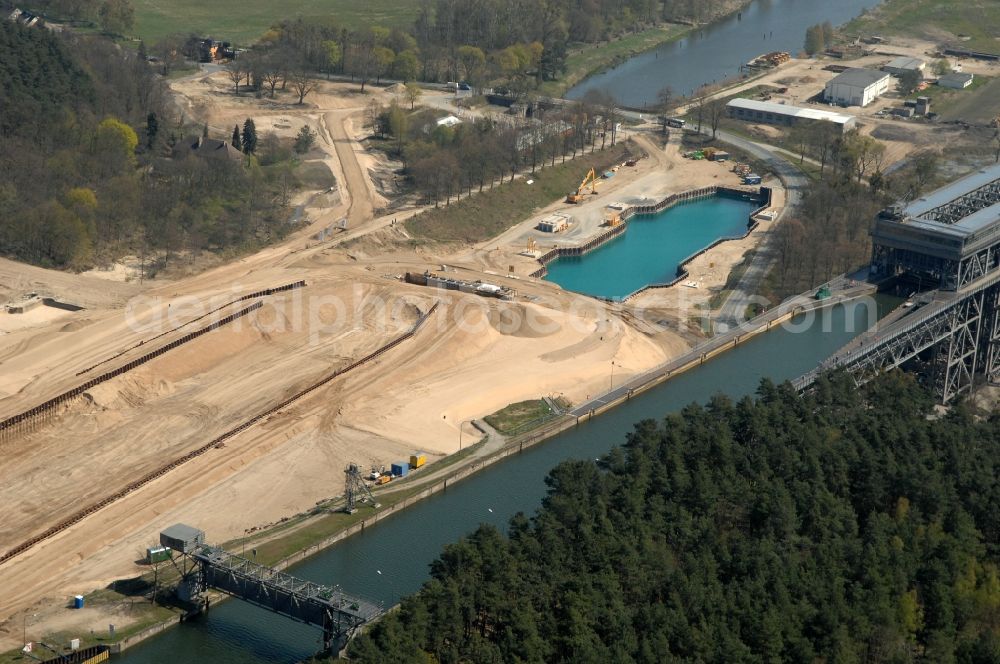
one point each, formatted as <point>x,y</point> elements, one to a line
<point>337,613</point>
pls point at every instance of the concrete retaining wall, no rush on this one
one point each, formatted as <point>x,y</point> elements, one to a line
<point>636,210</point>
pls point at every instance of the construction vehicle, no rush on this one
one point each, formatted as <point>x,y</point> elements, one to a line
<point>577,196</point>
<point>383,479</point>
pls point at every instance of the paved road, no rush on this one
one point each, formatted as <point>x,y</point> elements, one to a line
<point>733,311</point>
<point>844,289</point>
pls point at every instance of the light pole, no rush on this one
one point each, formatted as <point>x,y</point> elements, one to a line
<point>612,375</point>
<point>24,628</point>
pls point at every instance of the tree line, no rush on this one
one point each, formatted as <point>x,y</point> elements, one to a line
<point>484,42</point>
<point>94,165</point>
<point>442,162</point>
<point>850,525</point>
<point>114,17</point>
<point>828,234</point>
<point>819,37</point>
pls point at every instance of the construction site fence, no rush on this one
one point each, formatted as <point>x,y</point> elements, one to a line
<point>249,296</point>
<point>137,484</point>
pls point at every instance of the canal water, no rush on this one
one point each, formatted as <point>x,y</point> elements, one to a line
<point>714,53</point>
<point>391,559</point>
<point>651,248</point>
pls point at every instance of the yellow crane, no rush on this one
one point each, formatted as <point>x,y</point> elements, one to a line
<point>577,196</point>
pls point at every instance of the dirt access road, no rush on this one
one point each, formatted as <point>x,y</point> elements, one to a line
<point>474,357</point>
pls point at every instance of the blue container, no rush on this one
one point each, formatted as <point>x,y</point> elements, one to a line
<point>78,601</point>
<point>400,469</point>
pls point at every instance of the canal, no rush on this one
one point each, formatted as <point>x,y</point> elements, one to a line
<point>714,53</point>
<point>391,559</point>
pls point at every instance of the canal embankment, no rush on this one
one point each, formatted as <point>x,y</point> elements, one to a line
<point>311,541</point>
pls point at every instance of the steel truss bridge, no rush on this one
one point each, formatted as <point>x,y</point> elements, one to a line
<point>956,333</point>
<point>338,614</point>
<point>949,240</point>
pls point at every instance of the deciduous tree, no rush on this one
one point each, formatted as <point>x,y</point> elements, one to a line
<point>236,70</point>
<point>909,80</point>
<point>302,81</point>
<point>413,93</point>
<point>117,16</point>
<point>406,66</point>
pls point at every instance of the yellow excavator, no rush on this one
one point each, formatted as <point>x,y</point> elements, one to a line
<point>577,196</point>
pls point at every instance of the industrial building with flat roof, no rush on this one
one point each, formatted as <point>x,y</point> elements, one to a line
<point>956,80</point>
<point>951,235</point>
<point>904,64</point>
<point>857,87</point>
<point>783,114</point>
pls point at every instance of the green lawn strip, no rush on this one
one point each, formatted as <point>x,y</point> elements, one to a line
<point>323,526</point>
<point>520,417</point>
<point>590,59</point>
<point>482,216</point>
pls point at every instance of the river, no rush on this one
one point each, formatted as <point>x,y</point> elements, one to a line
<point>715,52</point>
<point>390,560</point>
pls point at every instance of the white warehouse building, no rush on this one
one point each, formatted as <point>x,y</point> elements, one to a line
<point>769,112</point>
<point>857,87</point>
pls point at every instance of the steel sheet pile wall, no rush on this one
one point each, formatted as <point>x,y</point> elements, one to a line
<point>24,421</point>
<point>21,422</point>
<point>79,516</point>
<point>250,296</point>
<point>763,196</point>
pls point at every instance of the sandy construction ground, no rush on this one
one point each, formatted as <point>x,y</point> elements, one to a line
<point>472,357</point>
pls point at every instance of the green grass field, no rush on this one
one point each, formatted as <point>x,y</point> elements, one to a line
<point>517,416</point>
<point>977,19</point>
<point>978,103</point>
<point>243,22</point>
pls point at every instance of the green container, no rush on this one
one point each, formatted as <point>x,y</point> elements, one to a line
<point>158,554</point>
